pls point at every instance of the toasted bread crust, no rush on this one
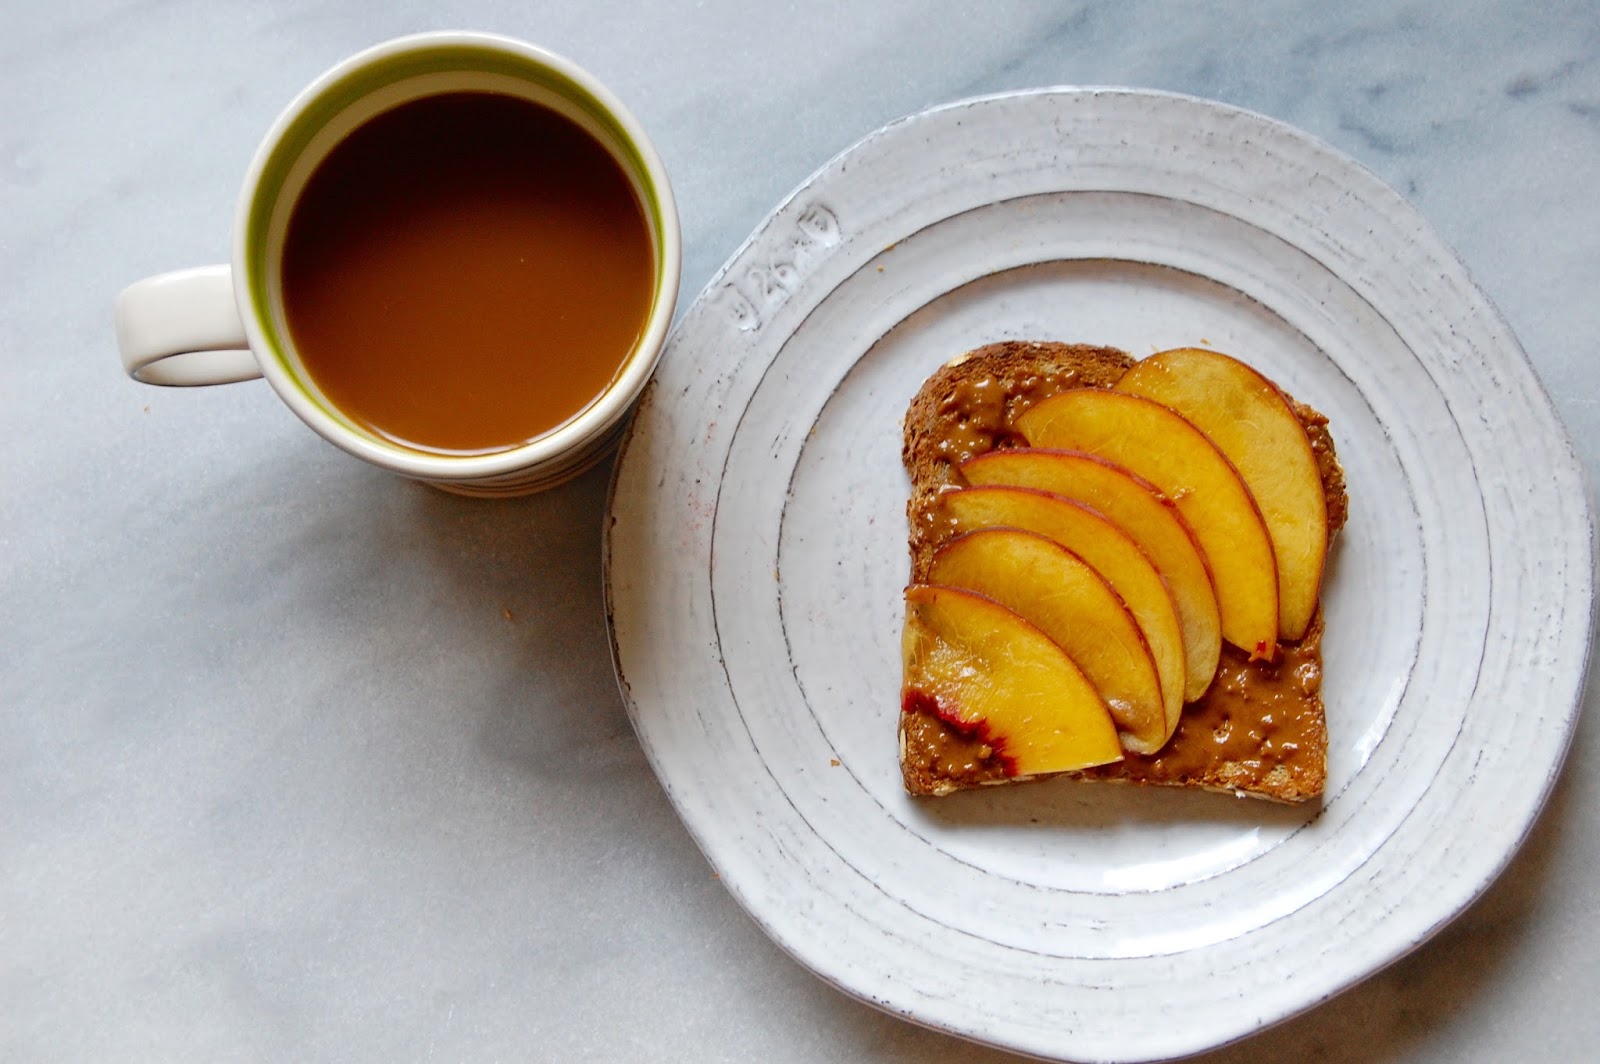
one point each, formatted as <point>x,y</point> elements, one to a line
<point>969,406</point>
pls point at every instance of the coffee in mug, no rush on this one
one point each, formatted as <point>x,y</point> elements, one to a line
<point>455,255</point>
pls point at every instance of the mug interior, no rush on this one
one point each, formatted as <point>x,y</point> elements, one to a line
<point>376,82</point>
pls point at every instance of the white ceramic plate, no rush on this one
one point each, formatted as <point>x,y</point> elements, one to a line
<point>756,554</point>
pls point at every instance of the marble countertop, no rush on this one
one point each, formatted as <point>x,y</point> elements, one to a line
<point>301,761</point>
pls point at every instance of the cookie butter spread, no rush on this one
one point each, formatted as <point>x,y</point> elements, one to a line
<point>981,413</point>
<point>1259,728</point>
<point>1259,720</point>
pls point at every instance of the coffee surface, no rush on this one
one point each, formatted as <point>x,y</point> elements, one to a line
<point>466,272</point>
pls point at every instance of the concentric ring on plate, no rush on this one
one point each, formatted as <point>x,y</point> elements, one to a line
<point>787,466</point>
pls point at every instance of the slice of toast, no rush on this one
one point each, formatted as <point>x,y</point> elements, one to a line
<point>1259,730</point>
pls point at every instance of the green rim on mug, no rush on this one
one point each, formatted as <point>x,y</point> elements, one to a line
<point>355,86</point>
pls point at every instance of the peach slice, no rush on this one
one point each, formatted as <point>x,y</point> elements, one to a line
<point>1255,427</point>
<point>1149,518</point>
<point>1106,548</point>
<point>1059,593</point>
<point>1164,448</point>
<point>989,673</point>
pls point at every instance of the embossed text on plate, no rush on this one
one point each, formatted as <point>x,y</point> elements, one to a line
<point>749,297</point>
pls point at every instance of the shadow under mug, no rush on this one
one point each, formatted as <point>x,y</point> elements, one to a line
<point>221,324</point>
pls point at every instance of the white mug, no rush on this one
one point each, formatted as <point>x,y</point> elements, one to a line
<point>220,324</point>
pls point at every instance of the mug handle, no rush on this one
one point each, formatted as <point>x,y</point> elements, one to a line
<point>183,329</point>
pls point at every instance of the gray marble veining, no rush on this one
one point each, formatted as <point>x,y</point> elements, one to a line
<point>298,761</point>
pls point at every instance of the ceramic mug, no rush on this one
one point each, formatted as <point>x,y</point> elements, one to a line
<point>220,324</point>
